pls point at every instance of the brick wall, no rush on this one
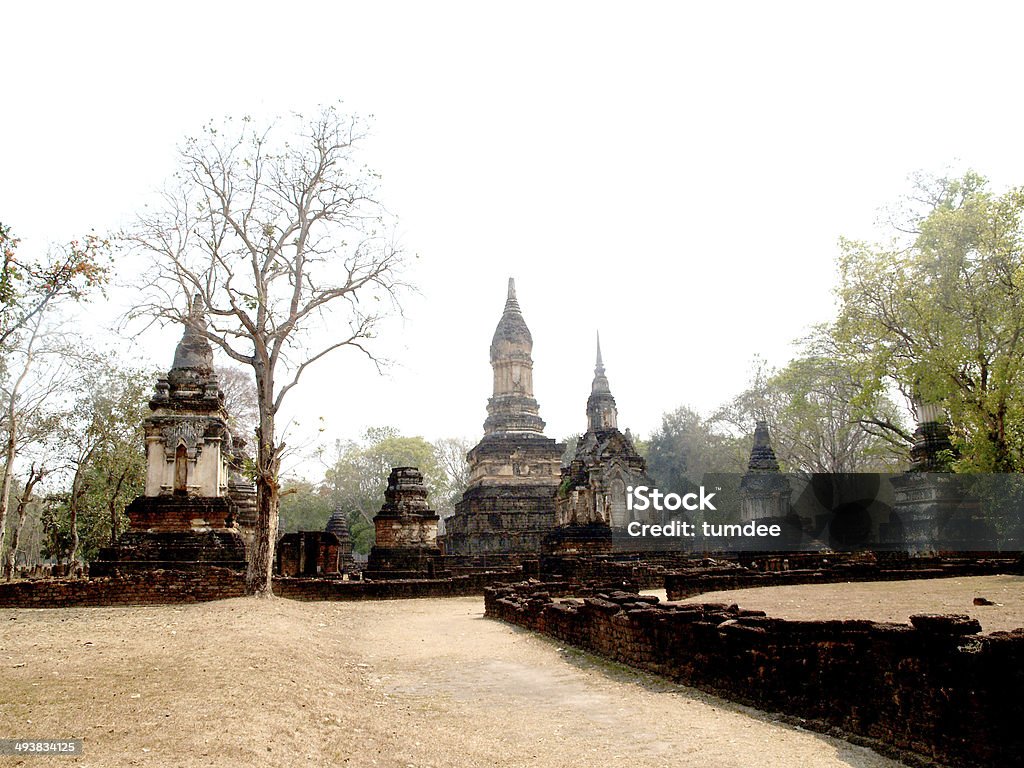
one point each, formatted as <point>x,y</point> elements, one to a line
<point>162,587</point>
<point>326,589</point>
<point>150,588</point>
<point>936,689</point>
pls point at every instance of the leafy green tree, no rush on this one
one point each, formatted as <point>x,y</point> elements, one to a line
<point>939,313</point>
<point>305,506</point>
<point>359,475</point>
<point>686,446</point>
<point>103,453</point>
<point>814,408</point>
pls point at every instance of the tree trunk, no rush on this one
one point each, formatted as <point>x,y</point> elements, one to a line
<point>34,476</point>
<point>76,497</point>
<point>113,507</point>
<point>9,454</point>
<point>259,577</point>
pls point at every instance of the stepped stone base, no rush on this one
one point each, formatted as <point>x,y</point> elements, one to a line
<point>175,532</point>
<point>501,520</point>
<point>405,563</point>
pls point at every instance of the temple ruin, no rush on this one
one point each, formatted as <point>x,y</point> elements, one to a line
<point>406,531</point>
<point>194,493</point>
<point>591,497</point>
<point>508,507</point>
<point>764,491</point>
<point>932,509</point>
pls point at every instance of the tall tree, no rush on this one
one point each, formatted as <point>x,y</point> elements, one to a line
<point>104,465</point>
<point>939,312</point>
<point>35,377</point>
<point>30,291</point>
<point>26,498</point>
<point>819,416</point>
<point>273,232</point>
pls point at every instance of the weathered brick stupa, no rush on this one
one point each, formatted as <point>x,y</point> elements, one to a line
<point>591,499</point>
<point>406,532</point>
<point>765,492</point>
<point>186,517</point>
<point>338,525</point>
<point>508,507</point>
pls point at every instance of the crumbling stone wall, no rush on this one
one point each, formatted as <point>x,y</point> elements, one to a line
<point>167,587</point>
<point>934,688</point>
<point>608,569</point>
<point>149,588</point>
<point>455,586</point>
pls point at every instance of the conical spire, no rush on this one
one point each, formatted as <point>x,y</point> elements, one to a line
<point>762,455</point>
<point>600,380</point>
<point>601,411</point>
<point>511,303</point>
<point>511,332</point>
<point>194,351</point>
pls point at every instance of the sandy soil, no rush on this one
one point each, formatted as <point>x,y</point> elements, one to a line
<point>396,683</point>
<point>886,600</point>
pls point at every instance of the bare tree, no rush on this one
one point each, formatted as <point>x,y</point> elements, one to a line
<point>239,400</point>
<point>450,453</point>
<point>271,236</point>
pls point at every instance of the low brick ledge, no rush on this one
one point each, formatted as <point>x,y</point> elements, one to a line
<point>158,587</point>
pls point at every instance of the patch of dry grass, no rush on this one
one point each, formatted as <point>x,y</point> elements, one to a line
<point>893,601</point>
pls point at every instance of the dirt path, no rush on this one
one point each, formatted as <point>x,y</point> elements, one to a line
<point>396,683</point>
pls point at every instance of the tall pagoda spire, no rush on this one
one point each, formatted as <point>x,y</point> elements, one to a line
<point>601,411</point>
<point>512,407</point>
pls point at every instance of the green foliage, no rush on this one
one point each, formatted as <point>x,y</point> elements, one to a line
<point>304,506</point>
<point>821,417</point>
<point>940,313</point>
<point>358,478</point>
<point>687,446</point>
<point>103,444</point>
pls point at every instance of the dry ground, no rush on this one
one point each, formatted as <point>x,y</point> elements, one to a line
<point>395,683</point>
<point>886,600</point>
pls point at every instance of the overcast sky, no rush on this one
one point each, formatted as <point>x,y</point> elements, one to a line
<point>674,175</point>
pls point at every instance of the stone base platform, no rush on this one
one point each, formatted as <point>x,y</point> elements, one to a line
<point>389,563</point>
<point>175,532</point>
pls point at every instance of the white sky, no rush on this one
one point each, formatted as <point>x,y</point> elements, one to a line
<point>675,175</point>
